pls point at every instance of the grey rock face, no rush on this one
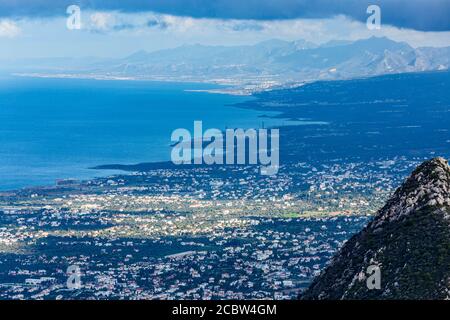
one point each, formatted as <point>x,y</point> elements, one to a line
<point>408,240</point>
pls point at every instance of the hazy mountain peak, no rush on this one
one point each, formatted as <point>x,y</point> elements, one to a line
<point>141,54</point>
<point>272,43</point>
<point>335,43</point>
<point>303,44</point>
<point>381,43</point>
<point>269,62</point>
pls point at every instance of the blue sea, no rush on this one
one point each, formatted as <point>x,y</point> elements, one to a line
<point>58,128</point>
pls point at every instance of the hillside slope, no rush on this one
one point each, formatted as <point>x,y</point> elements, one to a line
<point>409,240</point>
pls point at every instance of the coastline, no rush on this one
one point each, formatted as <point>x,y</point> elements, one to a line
<point>283,112</point>
<point>230,86</point>
<point>103,168</point>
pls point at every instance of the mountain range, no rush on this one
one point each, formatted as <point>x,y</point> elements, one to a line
<point>408,241</point>
<point>266,64</point>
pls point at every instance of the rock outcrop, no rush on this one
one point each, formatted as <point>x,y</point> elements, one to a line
<point>408,242</point>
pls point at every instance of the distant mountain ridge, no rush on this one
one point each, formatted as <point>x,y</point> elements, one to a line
<point>266,64</point>
<point>409,240</point>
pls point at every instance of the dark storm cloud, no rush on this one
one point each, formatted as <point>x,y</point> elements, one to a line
<point>425,15</point>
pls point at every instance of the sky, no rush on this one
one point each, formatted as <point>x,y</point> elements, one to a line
<point>114,28</point>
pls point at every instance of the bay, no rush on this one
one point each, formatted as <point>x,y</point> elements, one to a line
<point>58,128</point>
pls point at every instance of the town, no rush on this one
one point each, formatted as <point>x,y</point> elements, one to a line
<point>188,233</point>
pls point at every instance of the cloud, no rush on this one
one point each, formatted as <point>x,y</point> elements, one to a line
<point>247,26</point>
<point>124,26</point>
<point>8,29</point>
<point>102,20</point>
<point>157,23</point>
<point>424,15</point>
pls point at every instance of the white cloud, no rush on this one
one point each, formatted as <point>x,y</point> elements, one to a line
<point>102,20</point>
<point>121,34</point>
<point>8,29</point>
<point>174,30</point>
